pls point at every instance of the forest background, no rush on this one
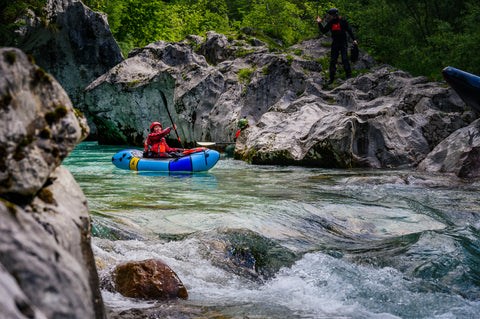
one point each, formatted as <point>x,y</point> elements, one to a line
<point>421,37</point>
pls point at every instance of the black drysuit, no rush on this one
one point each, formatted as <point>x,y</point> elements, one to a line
<point>339,28</point>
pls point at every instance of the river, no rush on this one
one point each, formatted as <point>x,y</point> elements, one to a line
<point>332,243</point>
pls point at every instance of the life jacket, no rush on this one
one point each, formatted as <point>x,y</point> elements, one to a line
<point>159,147</point>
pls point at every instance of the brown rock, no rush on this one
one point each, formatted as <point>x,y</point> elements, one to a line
<point>148,279</point>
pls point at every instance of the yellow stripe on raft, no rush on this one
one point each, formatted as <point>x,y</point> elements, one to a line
<point>133,163</point>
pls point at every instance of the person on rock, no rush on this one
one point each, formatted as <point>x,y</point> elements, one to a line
<point>155,144</point>
<point>242,125</point>
<point>339,27</point>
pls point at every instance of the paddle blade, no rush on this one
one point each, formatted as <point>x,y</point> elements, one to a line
<point>206,143</point>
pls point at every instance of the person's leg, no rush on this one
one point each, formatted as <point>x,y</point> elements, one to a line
<point>333,62</point>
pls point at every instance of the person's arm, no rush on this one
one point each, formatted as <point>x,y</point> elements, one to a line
<point>156,137</point>
<point>170,149</point>
<point>322,29</point>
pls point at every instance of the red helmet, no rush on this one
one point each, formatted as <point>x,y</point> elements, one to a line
<point>154,124</point>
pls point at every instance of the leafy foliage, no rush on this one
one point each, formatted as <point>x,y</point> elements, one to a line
<point>11,11</point>
<point>421,37</point>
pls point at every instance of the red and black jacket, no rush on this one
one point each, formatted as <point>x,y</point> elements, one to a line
<point>339,27</point>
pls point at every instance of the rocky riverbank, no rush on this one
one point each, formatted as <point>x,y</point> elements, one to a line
<point>381,118</point>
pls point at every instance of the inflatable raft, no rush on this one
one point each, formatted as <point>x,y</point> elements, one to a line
<point>195,161</point>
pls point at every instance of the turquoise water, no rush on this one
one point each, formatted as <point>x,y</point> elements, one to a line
<point>327,243</point>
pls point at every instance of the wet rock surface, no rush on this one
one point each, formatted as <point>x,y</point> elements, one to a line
<point>148,279</point>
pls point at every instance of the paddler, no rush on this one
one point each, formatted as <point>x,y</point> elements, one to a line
<point>155,144</point>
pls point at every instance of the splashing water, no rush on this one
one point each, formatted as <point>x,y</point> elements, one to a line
<point>290,242</point>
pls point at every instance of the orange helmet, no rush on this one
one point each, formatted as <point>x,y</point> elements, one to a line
<point>154,124</point>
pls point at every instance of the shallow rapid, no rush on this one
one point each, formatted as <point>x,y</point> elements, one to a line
<point>327,243</point>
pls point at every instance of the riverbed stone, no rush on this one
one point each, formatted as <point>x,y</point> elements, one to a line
<point>245,253</point>
<point>148,279</point>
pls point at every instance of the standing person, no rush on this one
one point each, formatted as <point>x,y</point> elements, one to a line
<point>339,27</point>
<point>155,144</point>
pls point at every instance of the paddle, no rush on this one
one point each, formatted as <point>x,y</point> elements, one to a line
<point>171,120</point>
<point>214,143</point>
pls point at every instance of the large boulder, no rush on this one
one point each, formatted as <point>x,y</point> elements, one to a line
<point>127,99</point>
<point>71,42</point>
<point>47,265</point>
<point>459,153</point>
<point>39,128</point>
<point>385,118</point>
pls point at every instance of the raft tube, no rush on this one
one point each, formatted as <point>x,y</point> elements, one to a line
<point>466,85</point>
<point>195,162</point>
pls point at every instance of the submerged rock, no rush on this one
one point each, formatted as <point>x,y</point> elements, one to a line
<point>246,253</point>
<point>148,279</point>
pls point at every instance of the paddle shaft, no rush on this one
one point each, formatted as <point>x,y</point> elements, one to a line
<point>171,120</point>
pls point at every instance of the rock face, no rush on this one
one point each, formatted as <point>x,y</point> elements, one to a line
<point>71,42</point>
<point>148,279</point>
<point>458,154</point>
<point>47,266</point>
<point>127,99</point>
<point>204,100</point>
<point>39,126</point>
<point>381,119</point>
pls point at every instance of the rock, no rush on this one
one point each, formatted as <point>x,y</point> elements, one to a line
<point>71,42</point>
<point>13,302</point>
<point>205,101</point>
<point>246,253</point>
<point>126,100</point>
<point>381,119</point>
<point>148,279</point>
<point>44,219</point>
<point>459,153</point>
<point>40,126</point>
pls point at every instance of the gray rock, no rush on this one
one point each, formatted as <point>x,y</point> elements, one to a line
<point>46,247</point>
<point>39,125</point>
<point>44,218</point>
<point>381,119</point>
<point>127,99</point>
<point>71,42</point>
<point>459,153</point>
<point>13,302</point>
<point>205,101</point>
